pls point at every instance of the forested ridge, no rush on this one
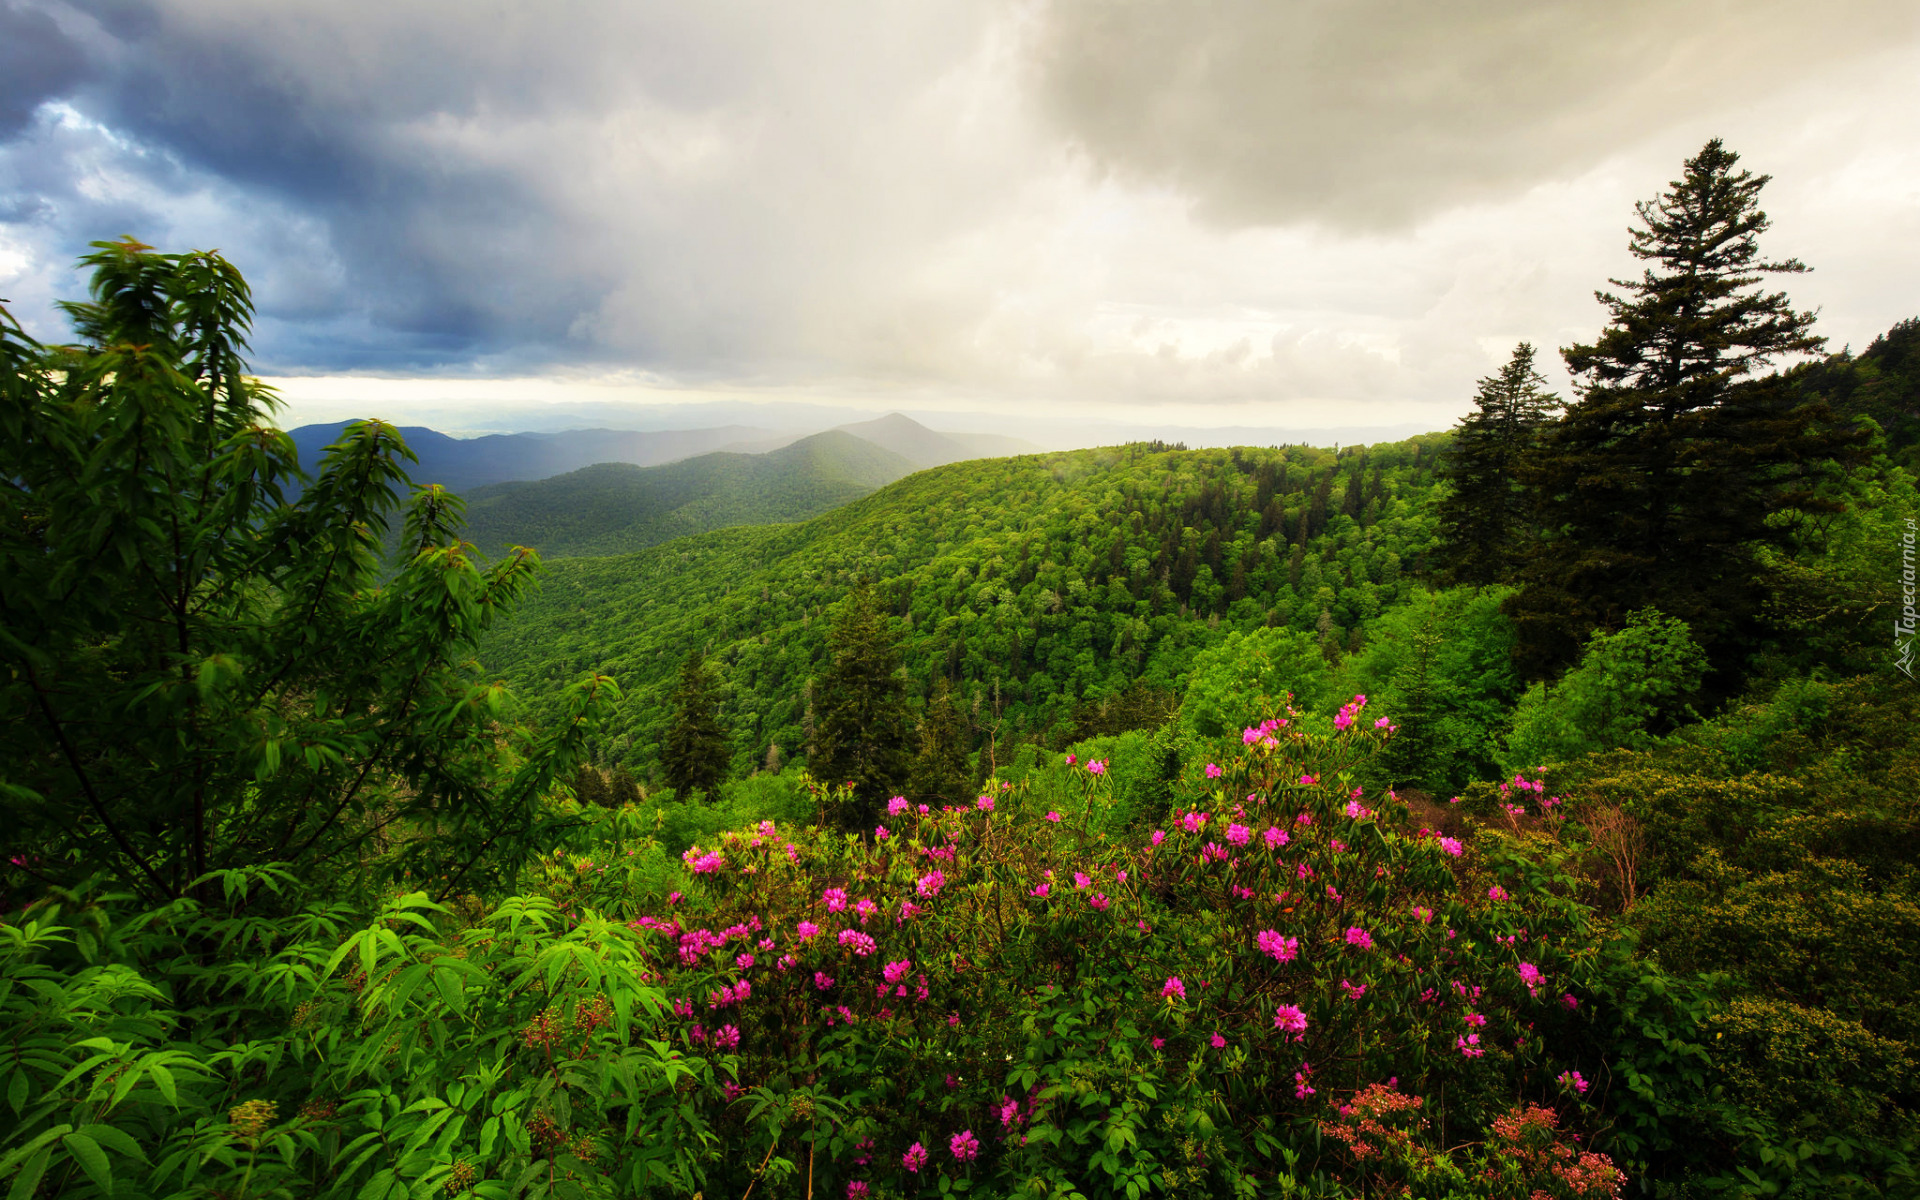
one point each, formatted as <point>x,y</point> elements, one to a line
<point>1036,584</point>
<point>1486,816</point>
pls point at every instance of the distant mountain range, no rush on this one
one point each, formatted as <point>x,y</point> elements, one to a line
<point>464,464</point>
<point>618,508</point>
<point>606,491</point>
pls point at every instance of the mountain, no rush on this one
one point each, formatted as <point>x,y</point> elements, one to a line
<point>617,508</point>
<point>926,448</point>
<point>1036,584</point>
<point>462,464</point>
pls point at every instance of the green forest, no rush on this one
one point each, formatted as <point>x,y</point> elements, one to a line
<point>1523,810</point>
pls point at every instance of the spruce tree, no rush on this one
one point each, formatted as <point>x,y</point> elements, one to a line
<point>1485,522</point>
<point>941,770</point>
<point>1656,486</point>
<point>621,789</point>
<point>590,787</point>
<point>694,754</point>
<point>860,724</point>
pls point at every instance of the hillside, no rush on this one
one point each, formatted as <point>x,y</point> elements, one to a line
<point>1034,583</point>
<point>618,508</point>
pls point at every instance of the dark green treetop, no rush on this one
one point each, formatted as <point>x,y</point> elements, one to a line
<point>1486,519</point>
<point>695,753</point>
<point>861,724</point>
<point>201,675</point>
<point>941,770</point>
<point>1657,485</point>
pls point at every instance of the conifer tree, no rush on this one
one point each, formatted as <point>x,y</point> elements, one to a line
<point>694,754</point>
<point>860,725</point>
<point>941,770</point>
<point>1656,486</point>
<point>1484,522</point>
<point>590,787</point>
<point>621,789</point>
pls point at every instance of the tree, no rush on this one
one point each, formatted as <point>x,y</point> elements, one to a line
<point>941,771</point>
<point>590,787</point>
<point>860,724</point>
<point>1657,486</point>
<point>201,674</point>
<point>1628,686</point>
<point>1485,520</point>
<point>695,753</point>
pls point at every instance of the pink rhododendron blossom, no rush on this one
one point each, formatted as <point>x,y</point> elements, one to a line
<point>1099,901</point>
<point>929,885</point>
<point>897,805</point>
<point>1496,892</point>
<point>1159,835</point>
<point>1193,821</point>
<point>806,930</point>
<point>857,1189</point>
<point>1353,990</point>
<point>858,942</point>
<point>1276,837</point>
<point>1531,976</point>
<point>1469,1046</point>
<point>1382,723</point>
<point>1283,949</point>
<point>1357,936</point>
<point>1423,914</point>
<point>984,804</point>
<point>705,864</point>
<point>914,1158</point>
<point>1219,1043</point>
<point>743,961</point>
<point>1451,846</point>
<point>1081,881</point>
<point>727,1037</point>
<point>1308,780</point>
<point>674,897</point>
<point>1159,1042</point>
<point>1213,771</point>
<point>866,908</point>
<point>953,1020</point>
<point>1097,767</point>
<point>964,1145</point>
<point>1040,890</point>
<point>880,833</point>
<point>1301,1088</point>
<point>836,899</point>
<point>1070,760</point>
<point>822,980</point>
<point>1570,1002</point>
<point>1573,1081</point>
<point>1053,816</point>
<point>1173,987</point>
<point>908,911</point>
<point>1239,835</point>
<point>1289,1018</point>
<point>894,972</point>
<point>1009,1110</point>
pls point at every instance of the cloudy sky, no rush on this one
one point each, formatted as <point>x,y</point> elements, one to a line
<point>1272,213</point>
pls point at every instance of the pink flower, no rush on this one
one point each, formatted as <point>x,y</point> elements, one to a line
<point>705,864</point>
<point>1531,976</point>
<point>866,908</point>
<point>1570,1002</point>
<point>1469,1046</point>
<point>1219,1043</point>
<point>953,1020</point>
<point>857,1189</point>
<point>727,1037</point>
<point>674,897</point>
<point>1081,881</point>
<point>1276,837</point>
<point>1159,1042</point>
<point>1193,821</point>
<point>894,972</point>
<point>1070,760</point>
<point>1451,846</point>
<point>1173,987</point>
<point>880,833</point>
<point>1097,767</point>
<point>743,961</point>
<point>1357,936</point>
<point>1573,1081</point>
<point>1053,816</point>
<point>1301,1088</point>
<point>858,942</point>
<point>1496,892</point>
<point>822,980</point>
<point>1159,835</point>
<point>923,810</point>
<point>1382,724</point>
<point>1353,990</point>
<point>836,899</point>
<point>1288,1018</point>
<point>964,1145</point>
<point>1040,890</point>
<point>1283,949</point>
<point>908,911</point>
<point>1239,835</point>
<point>897,805</point>
<point>1099,901</point>
<point>984,804</point>
<point>914,1158</point>
<point>1308,780</point>
<point>1358,811</point>
<point>929,885</point>
<point>1213,771</point>
<point>806,930</point>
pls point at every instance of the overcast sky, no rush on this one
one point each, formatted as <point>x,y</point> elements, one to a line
<point>1275,213</point>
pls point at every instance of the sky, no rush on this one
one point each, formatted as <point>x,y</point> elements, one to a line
<point>1059,217</point>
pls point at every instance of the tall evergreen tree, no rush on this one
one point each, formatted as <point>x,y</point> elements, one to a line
<point>622,790</point>
<point>1485,522</point>
<point>941,771</point>
<point>1656,486</point>
<point>860,725</point>
<point>694,755</point>
<point>590,787</point>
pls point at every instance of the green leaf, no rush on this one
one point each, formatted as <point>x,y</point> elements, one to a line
<point>28,1179</point>
<point>91,1158</point>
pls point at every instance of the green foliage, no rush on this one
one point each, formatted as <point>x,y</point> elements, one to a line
<point>694,756</point>
<point>1248,675</point>
<point>617,508</point>
<point>1627,687</point>
<point>941,772</point>
<point>202,675</point>
<point>1045,588</point>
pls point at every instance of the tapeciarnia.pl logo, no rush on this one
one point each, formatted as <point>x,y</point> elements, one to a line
<point>1903,625</point>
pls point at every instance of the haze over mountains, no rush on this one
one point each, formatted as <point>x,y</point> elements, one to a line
<point>463,464</point>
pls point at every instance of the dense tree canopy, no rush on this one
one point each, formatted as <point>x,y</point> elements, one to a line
<point>1486,521</point>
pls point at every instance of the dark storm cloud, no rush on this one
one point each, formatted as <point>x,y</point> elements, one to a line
<point>37,62</point>
<point>1369,114</point>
